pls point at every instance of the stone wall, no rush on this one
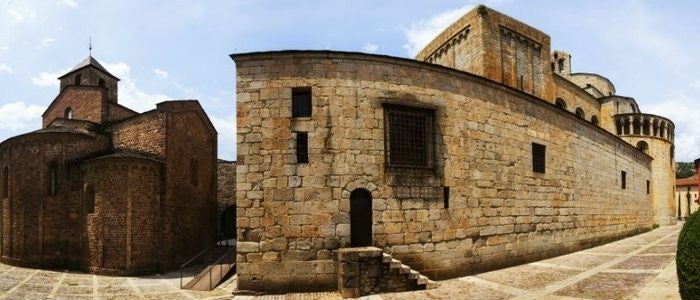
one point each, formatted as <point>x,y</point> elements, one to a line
<point>143,134</point>
<point>226,198</point>
<point>294,217</point>
<point>38,228</point>
<point>86,103</point>
<point>123,219</point>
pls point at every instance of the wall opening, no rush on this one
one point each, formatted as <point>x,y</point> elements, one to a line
<point>538,157</point>
<point>89,197</point>
<point>623,179</point>
<point>301,102</point>
<point>446,196</point>
<point>559,102</point>
<point>5,181</point>
<point>52,188</point>
<point>643,146</point>
<point>302,147</point>
<point>360,218</point>
<point>228,222</point>
<point>594,120</point>
<point>78,79</point>
<point>68,114</point>
<point>194,172</point>
<point>580,114</point>
<point>409,136</point>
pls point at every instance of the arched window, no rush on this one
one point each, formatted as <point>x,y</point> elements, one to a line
<point>643,146</point>
<point>194,170</point>
<point>68,114</point>
<point>78,79</point>
<point>632,107</point>
<point>53,180</point>
<point>5,181</point>
<point>89,199</point>
<point>561,65</point>
<point>580,114</point>
<point>560,103</point>
<point>594,120</point>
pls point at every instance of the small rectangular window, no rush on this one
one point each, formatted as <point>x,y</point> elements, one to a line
<point>623,179</point>
<point>301,102</point>
<point>538,158</point>
<point>648,187</point>
<point>446,196</point>
<point>53,181</point>
<point>302,147</point>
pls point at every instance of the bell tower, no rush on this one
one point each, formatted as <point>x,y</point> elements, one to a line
<point>90,72</point>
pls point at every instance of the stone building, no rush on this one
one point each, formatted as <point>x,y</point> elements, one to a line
<point>483,152</point>
<point>105,189</point>
<point>226,198</point>
<point>686,196</point>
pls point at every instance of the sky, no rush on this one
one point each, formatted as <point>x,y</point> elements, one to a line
<point>164,50</point>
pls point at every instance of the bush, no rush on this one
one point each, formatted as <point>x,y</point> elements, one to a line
<point>688,258</point>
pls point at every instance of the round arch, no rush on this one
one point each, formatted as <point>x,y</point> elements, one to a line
<point>643,146</point>
<point>559,102</point>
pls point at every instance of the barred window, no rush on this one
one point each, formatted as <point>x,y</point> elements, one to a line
<point>409,138</point>
<point>302,147</point>
<point>301,102</point>
<point>538,157</point>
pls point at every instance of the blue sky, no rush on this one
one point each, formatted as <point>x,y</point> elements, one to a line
<point>179,49</point>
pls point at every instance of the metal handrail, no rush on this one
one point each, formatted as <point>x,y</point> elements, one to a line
<point>196,272</point>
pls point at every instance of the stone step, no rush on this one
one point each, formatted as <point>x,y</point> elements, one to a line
<point>387,258</point>
<point>394,264</point>
<point>413,274</point>
<point>404,269</point>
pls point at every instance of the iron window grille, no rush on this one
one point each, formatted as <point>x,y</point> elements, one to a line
<point>301,102</point>
<point>409,136</point>
<point>538,158</point>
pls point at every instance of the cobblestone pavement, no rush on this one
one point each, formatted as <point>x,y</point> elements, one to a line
<point>639,267</point>
<point>24,283</point>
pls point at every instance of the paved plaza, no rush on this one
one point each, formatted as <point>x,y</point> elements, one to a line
<point>639,267</point>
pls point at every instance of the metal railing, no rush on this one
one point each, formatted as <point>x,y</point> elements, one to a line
<point>196,266</point>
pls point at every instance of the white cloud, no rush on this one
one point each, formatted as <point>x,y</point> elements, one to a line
<point>48,78</point>
<point>45,42</point>
<point>129,94</point>
<point>370,48</point>
<point>19,116</point>
<point>5,48</point>
<point>71,3</point>
<point>420,33</point>
<point>226,127</point>
<point>5,69</point>
<point>678,107</point>
<point>18,16</point>
<point>160,73</point>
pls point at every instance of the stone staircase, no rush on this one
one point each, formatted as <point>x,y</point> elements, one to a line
<point>368,270</point>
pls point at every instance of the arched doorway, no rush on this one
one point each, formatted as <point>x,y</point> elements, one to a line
<point>228,222</point>
<point>360,218</point>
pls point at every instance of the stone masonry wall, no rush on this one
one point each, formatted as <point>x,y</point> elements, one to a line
<point>144,134</point>
<point>123,230</point>
<point>293,217</point>
<point>40,229</point>
<point>86,103</point>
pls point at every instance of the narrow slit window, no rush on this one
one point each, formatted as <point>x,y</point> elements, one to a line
<point>446,196</point>
<point>302,147</point>
<point>648,186</point>
<point>89,199</point>
<point>194,172</point>
<point>301,102</point>
<point>623,179</point>
<point>68,114</point>
<point>78,79</point>
<point>5,181</point>
<point>538,157</point>
<point>53,180</point>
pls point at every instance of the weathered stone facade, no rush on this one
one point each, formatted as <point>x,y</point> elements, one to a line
<point>226,195</point>
<point>462,192</point>
<point>107,190</point>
